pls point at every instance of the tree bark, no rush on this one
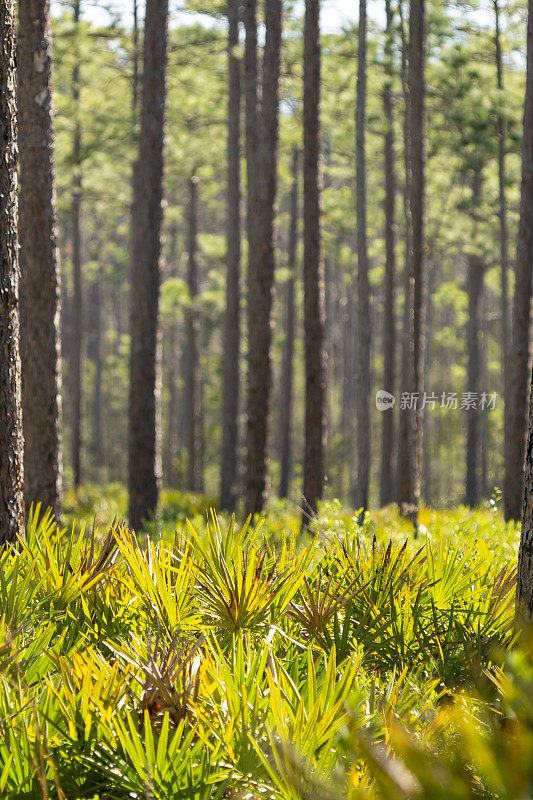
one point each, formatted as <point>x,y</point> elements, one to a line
<point>193,376</point>
<point>518,385</point>
<point>363,291</point>
<point>261,237</point>
<point>410,483</point>
<point>39,261</point>
<point>405,427</point>
<point>524,583</point>
<point>76,364</point>
<point>286,388</point>
<point>97,444</point>
<point>314,283</point>
<point>476,271</point>
<point>231,387</point>
<point>501,132</point>
<point>144,467</point>
<point>11,441</point>
<point>386,484</point>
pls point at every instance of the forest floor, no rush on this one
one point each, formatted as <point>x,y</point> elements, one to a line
<point>262,662</point>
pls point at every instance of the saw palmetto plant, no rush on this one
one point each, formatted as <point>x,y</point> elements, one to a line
<point>243,662</point>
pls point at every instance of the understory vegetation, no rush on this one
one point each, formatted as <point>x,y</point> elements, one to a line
<point>261,661</point>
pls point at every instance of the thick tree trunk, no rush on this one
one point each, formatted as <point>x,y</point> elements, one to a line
<point>11,442</point>
<point>405,426</point>
<point>286,387</point>
<point>524,585</point>
<point>314,283</point>
<point>39,261</point>
<point>518,385</point>
<point>410,484</point>
<point>261,233</point>
<point>501,132</point>
<point>144,468</point>
<point>476,271</point>
<point>363,291</point>
<point>76,364</point>
<point>386,482</point>
<point>231,388</point>
<point>193,376</point>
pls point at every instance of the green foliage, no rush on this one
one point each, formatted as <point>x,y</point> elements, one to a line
<point>223,660</point>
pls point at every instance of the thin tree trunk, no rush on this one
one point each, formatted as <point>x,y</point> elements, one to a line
<point>501,132</point>
<point>39,261</point>
<point>386,485</point>
<point>144,452</point>
<point>518,385</point>
<point>231,388</point>
<point>96,321</point>
<point>476,271</point>
<point>135,76</point>
<point>76,365</point>
<point>363,291</point>
<point>11,441</point>
<point>314,283</point>
<point>286,388</point>
<point>262,262</point>
<point>193,376</point>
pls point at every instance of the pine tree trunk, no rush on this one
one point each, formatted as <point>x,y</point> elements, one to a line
<point>518,385</point>
<point>476,271</point>
<point>144,467</point>
<point>524,585</point>
<point>261,234</point>
<point>410,483</point>
<point>97,445</point>
<point>193,376</point>
<point>386,485</point>
<point>135,65</point>
<point>231,388</point>
<point>363,291</point>
<point>76,364</point>
<point>501,132</point>
<point>404,478</point>
<point>314,283</point>
<point>39,261</point>
<point>11,441</point>
<point>286,388</point>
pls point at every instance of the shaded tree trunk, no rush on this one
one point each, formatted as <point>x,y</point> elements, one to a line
<point>261,235</point>
<point>386,483</point>
<point>405,427</point>
<point>501,132</point>
<point>286,388</point>
<point>97,444</point>
<point>476,271</point>
<point>231,388</point>
<point>39,261</point>
<point>524,584</point>
<point>11,441</point>
<point>135,75</point>
<point>363,292</point>
<point>518,386</point>
<point>314,283</point>
<point>410,484</point>
<point>193,376</point>
<point>144,458</point>
<point>76,363</point>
